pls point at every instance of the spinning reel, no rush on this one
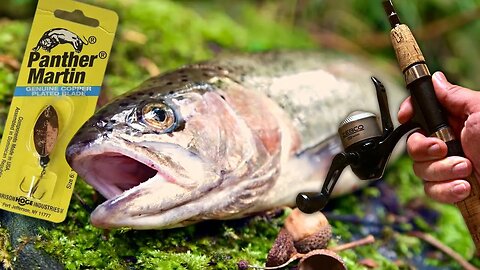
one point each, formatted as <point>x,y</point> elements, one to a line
<point>367,149</point>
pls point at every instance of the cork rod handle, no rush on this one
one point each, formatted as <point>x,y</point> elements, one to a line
<point>470,209</point>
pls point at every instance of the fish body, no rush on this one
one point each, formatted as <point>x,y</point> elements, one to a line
<point>222,139</point>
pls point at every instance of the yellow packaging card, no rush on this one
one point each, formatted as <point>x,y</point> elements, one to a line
<point>57,90</point>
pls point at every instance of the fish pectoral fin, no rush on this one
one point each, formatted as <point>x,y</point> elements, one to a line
<point>325,149</point>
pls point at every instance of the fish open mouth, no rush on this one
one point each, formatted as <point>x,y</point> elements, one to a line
<point>142,182</point>
<point>114,167</point>
<point>113,173</point>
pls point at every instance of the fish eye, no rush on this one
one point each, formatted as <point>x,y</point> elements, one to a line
<point>159,116</point>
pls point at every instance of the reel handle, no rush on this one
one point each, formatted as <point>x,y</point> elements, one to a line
<point>311,202</point>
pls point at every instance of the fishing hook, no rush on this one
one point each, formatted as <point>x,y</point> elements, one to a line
<point>33,188</point>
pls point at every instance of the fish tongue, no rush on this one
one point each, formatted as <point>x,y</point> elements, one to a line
<point>150,197</point>
<point>158,186</point>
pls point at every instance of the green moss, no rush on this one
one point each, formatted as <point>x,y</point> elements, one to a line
<point>400,175</point>
<point>155,259</point>
<point>5,249</point>
<point>13,37</point>
<point>6,91</point>
<point>218,245</point>
<point>10,36</point>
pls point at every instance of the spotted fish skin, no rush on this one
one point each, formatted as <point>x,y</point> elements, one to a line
<point>222,139</point>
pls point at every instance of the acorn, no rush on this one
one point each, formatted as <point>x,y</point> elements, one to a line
<point>321,259</point>
<point>308,231</point>
<point>282,250</point>
<point>301,234</point>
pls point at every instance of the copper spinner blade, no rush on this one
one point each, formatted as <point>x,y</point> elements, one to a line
<point>45,132</point>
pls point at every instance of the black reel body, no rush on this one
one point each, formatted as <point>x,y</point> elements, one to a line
<point>367,149</point>
<point>360,134</point>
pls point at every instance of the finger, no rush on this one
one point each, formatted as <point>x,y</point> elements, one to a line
<point>405,112</point>
<point>448,191</point>
<point>456,99</point>
<point>422,148</point>
<point>444,169</point>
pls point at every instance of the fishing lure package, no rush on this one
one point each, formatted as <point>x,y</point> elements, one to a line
<point>57,91</point>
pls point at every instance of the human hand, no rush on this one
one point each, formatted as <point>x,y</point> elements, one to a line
<point>444,175</point>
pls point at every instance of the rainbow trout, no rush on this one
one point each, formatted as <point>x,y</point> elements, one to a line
<point>222,139</point>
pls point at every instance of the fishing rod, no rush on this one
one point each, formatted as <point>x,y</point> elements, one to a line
<point>368,146</point>
<point>427,108</point>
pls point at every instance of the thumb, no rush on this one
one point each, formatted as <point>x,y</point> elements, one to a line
<point>455,99</point>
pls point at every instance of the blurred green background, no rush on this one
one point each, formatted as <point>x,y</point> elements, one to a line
<point>155,36</point>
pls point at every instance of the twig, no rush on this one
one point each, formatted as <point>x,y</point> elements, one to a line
<point>440,27</point>
<point>361,242</point>
<point>439,245</point>
<point>376,40</point>
<point>294,257</point>
<point>330,39</point>
<point>134,36</point>
<point>149,65</point>
<point>83,203</point>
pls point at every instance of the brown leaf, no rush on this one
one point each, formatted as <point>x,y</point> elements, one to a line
<point>10,61</point>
